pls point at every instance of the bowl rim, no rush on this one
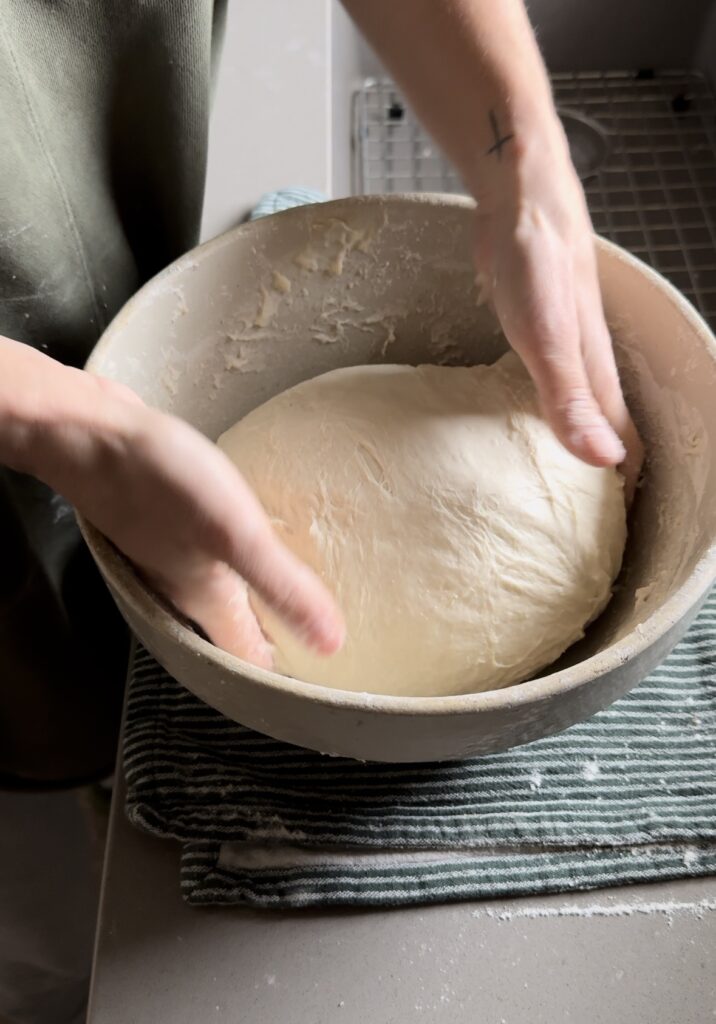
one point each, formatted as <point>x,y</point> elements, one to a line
<point>122,577</point>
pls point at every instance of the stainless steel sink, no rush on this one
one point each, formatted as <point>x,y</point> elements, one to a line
<point>642,127</point>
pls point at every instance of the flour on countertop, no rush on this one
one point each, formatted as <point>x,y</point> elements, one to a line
<point>669,908</point>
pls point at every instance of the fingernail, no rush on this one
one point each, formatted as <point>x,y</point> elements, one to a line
<point>601,441</point>
<point>613,447</point>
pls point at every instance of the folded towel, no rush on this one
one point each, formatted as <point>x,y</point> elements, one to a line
<point>628,796</point>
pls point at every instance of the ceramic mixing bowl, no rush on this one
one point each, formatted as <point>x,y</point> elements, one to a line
<point>390,279</point>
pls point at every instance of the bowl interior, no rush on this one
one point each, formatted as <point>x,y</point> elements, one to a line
<point>390,280</point>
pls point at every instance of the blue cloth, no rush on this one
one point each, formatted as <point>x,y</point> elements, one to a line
<point>285,199</point>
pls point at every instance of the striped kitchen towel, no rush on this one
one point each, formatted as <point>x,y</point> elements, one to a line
<point>628,796</point>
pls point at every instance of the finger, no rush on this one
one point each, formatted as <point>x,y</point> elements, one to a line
<point>292,591</point>
<point>228,525</point>
<point>247,543</point>
<point>217,600</point>
<point>548,342</point>
<point>603,375</point>
<point>114,389</point>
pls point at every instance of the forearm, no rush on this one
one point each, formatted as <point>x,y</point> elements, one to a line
<point>472,71</point>
<point>52,418</point>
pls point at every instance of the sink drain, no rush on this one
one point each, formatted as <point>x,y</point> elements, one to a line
<point>588,142</point>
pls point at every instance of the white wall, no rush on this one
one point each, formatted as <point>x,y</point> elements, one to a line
<point>271,124</point>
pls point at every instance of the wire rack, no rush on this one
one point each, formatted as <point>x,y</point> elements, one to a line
<point>655,193</point>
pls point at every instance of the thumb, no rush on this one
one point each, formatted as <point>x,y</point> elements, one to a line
<point>216,599</point>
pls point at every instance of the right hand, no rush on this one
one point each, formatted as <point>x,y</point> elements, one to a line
<point>169,499</point>
<point>535,250</point>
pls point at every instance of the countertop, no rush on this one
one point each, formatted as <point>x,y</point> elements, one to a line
<point>642,954</point>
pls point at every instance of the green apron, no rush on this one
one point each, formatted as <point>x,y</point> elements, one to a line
<point>104,108</point>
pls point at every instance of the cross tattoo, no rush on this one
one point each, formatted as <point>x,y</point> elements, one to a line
<point>500,140</point>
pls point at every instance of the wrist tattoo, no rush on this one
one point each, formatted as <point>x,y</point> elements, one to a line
<point>500,140</point>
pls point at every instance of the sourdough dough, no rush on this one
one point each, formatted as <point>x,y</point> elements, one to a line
<point>467,548</point>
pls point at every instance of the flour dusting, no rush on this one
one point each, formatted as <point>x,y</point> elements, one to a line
<point>668,908</point>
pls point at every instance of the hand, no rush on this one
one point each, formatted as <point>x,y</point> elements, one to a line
<point>168,498</point>
<point>535,251</point>
<point>473,73</point>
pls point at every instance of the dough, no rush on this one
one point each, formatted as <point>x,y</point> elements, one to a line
<point>467,548</point>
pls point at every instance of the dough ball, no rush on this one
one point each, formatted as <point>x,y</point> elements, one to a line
<point>467,548</point>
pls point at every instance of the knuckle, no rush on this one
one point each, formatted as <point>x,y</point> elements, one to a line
<point>290,605</point>
<point>556,355</point>
<point>577,409</point>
